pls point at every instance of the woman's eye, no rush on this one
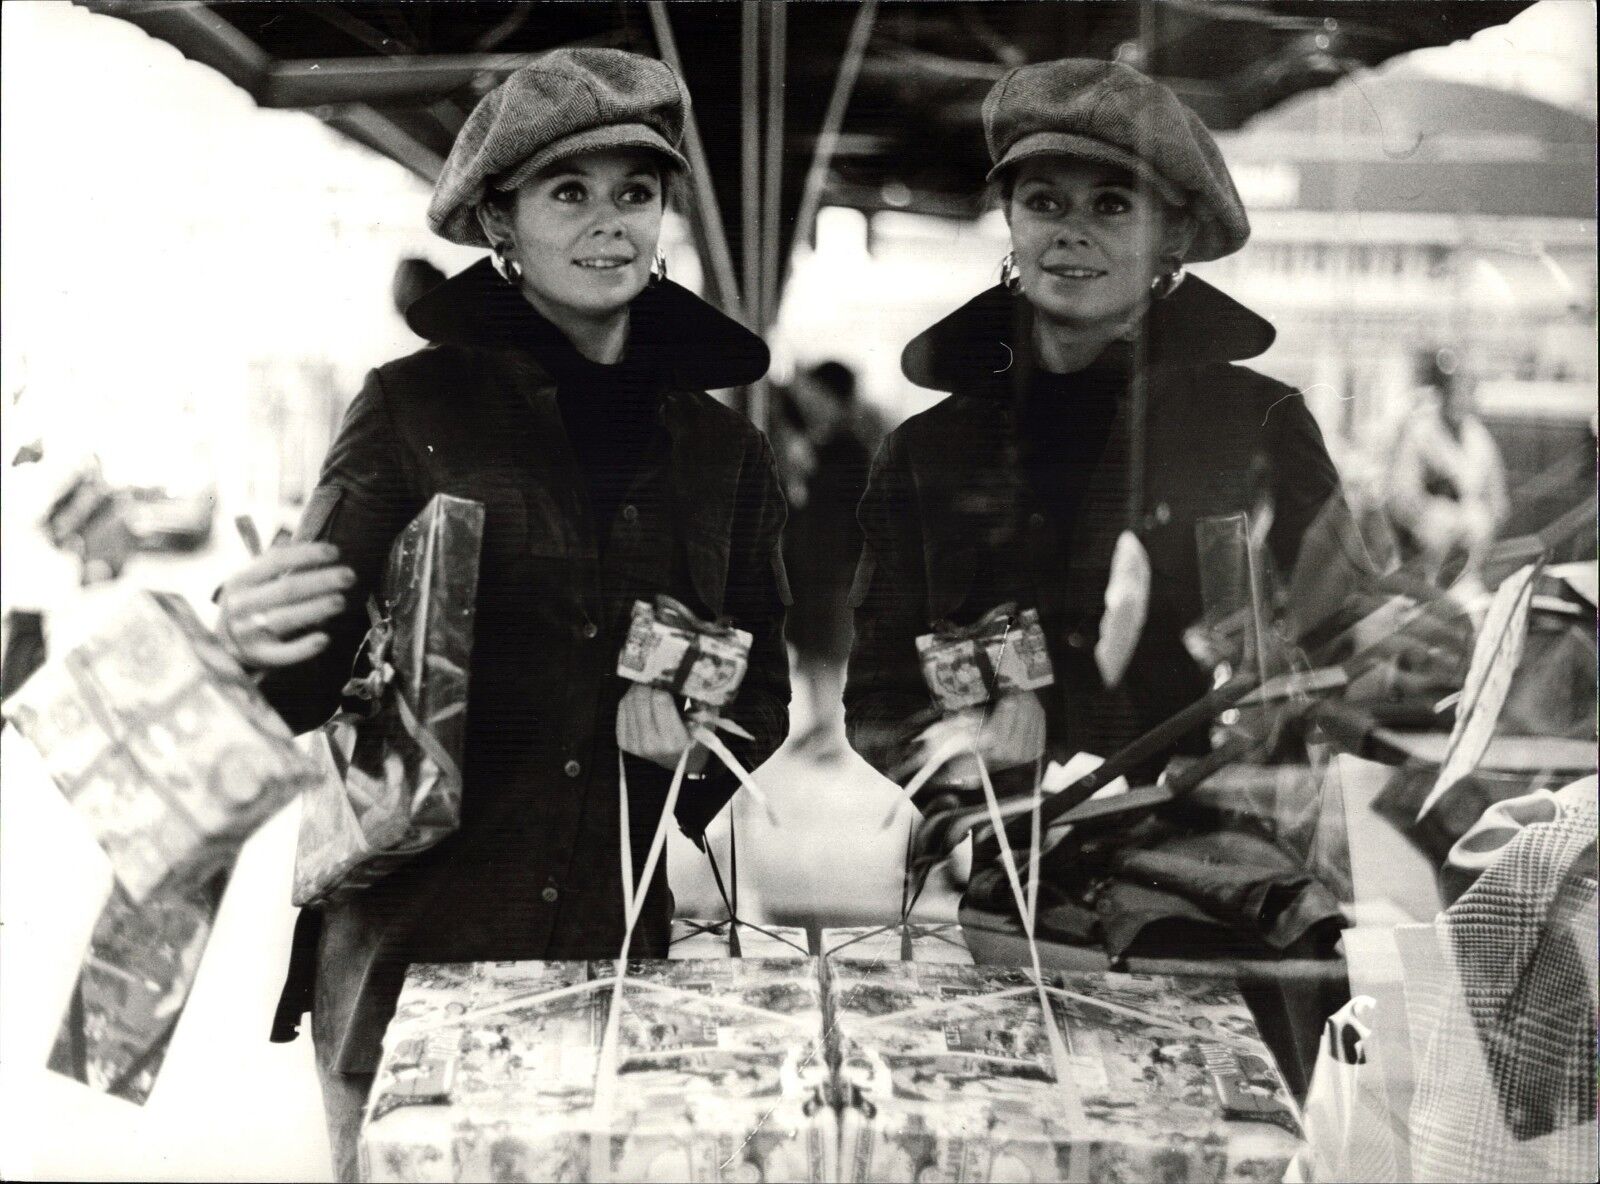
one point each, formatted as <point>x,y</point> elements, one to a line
<point>1041,203</point>
<point>568,191</point>
<point>638,195</point>
<point>1112,203</point>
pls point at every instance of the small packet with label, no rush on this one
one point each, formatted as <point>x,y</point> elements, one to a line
<point>669,647</point>
<point>1003,651</point>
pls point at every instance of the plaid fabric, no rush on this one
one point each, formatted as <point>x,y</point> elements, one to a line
<point>1503,1016</point>
<point>571,100</point>
<point>1111,113</point>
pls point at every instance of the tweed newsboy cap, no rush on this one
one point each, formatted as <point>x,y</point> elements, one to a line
<point>568,101</point>
<point>1111,113</point>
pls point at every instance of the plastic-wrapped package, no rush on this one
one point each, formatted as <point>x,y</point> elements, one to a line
<point>396,786</point>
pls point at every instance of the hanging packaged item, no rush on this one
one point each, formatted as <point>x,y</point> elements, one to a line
<point>160,742</point>
<point>131,992</point>
<point>904,941</point>
<point>502,1071</point>
<point>669,647</point>
<point>1003,651</point>
<point>953,1071</point>
<point>395,786</point>
<point>735,939</point>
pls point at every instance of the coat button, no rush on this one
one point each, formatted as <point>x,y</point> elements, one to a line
<point>1163,514</point>
<point>572,768</point>
<point>550,894</point>
<point>590,631</point>
<point>630,513</point>
<point>1077,640</point>
<point>1036,520</point>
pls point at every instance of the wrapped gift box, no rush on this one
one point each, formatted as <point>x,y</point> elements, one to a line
<point>161,742</point>
<point>135,980</point>
<point>669,647</point>
<point>950,1070</point>
<point>911,941</point>
<point>399,789</point>
<point>735,939</point>
<point>498,1071</point>
<point>1003,652</point>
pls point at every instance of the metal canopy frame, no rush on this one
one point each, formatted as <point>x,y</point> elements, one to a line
<point>874,105</point>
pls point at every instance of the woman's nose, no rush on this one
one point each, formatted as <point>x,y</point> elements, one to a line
<point>1071,232</point>
<point>608,222</point>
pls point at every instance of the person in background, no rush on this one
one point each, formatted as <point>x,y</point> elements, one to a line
<point>1446,482</point>
<point>564,391</point>
<point>1030,483</point>
<point>828,448</point>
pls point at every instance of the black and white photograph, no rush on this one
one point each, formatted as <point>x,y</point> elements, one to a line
<point>799,590</point>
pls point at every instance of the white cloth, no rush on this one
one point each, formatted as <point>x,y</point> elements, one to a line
<point>1127,603</point>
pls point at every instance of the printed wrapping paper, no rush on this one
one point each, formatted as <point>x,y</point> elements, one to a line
<point>1004,651</point>
<point>393,787</point>
<point>493,1071</point>
<point>910,941</point>
<point>669,647</point>
<point>160,742</point>
<point>135,980</point>
<point>716,939</point>
<point>948,1072</point>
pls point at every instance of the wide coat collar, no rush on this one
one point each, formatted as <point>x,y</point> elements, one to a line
<point>694,346</point>
<point>973,348</point>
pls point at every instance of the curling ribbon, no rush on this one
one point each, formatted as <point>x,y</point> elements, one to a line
<point>702,730</point>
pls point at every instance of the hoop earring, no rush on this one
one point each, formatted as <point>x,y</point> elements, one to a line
<point>1165,285</point>
<point>658,268</point>
<point>508,268</point>
<point>1009,278</point>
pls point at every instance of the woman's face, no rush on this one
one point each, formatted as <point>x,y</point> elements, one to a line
<point>1088,240</point>
<point>585,231</point>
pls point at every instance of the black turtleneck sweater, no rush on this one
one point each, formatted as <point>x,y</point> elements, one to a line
<point>1064,422</point>
<point>610,412</point>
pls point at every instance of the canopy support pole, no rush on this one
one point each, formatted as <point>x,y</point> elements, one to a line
<point>844,85</point>
<point>706,217</point>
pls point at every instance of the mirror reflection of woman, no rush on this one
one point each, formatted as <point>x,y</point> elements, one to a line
<point>1017,487</point>
<point>564,390</point>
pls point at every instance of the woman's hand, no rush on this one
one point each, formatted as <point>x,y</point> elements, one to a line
<point>650,727</point>
<point>1007,733</point>
<point>268,607</point>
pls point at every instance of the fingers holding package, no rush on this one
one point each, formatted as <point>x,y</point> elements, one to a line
<point>650,727</point>
<point>272,612</point>
<point>1010,732</point>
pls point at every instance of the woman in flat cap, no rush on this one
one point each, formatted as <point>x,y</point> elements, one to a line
<point>564,390</point>
<point>1017,487</point>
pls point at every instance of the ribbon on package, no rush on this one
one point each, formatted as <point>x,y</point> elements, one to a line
<point>376,685</point>
<point>967,666</point>
<point>964,648</point>
<point>668,646</point>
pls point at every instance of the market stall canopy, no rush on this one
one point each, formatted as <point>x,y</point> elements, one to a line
<point>870,105</point>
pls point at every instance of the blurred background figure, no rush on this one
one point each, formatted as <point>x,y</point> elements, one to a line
<point>1446,485</point>
<point>827,437</point>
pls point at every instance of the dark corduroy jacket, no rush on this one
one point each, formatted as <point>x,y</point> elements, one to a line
<point>953,528</point>
<point>534,871</point>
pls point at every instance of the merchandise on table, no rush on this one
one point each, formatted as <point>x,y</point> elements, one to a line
<point>142,960</point>
<point>400,789</point>
<point>950,1069</point>
<point>669,647</point>
<point>493,1071</point>
<point>161,742</point>
<point>735,939</point>
<point>1004,651</point>
<point>910,941</point>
